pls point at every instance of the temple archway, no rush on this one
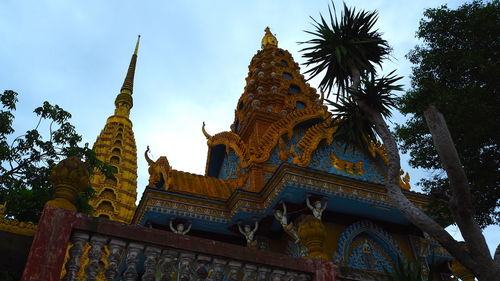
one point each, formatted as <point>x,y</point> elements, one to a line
<point>364,245</point>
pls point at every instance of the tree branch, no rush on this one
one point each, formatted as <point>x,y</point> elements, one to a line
<point>413,213</point>
<point>460,204</point>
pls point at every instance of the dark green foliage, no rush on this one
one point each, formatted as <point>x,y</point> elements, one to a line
<point>343,45</point>
<point>6,275</point>
<point>406,271</point>
<point>26,160</point>
<point>354,127</point>
<point>456,69</point>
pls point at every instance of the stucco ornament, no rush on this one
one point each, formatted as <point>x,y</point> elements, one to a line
<point>69,178</point>
<point>312,234</point>
<point>159,171</point>
<point>317,207</point>
<point>288,227</point>
<point>179,228</point>
<point>249,234</point>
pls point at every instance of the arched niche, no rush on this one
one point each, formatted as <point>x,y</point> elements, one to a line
<point>364,245</point>
<point>108,193</point>
<point>115,160</point>
<point>111,181</point>
<point>106,206</point>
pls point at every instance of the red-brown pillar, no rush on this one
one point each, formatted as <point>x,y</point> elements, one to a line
<point>323,270</point>
<point>47,252</point>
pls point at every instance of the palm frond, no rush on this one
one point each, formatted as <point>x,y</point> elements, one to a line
<point>377,92</point>
<point>345,43</point>
<point>354,127</point>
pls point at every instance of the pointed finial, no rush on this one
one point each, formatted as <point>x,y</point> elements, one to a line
<point>128,83</point>
<point>207,135</point>
<point>269,39</point>
<point>137,44</point>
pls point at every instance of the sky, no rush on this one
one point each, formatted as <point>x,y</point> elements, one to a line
<point>191,67</point>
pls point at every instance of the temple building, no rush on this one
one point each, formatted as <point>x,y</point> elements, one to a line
<point>276,181</point>
<point>281,199</point>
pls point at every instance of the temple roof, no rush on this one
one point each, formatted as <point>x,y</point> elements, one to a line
<point>281,146</point>
<point>202,186</point>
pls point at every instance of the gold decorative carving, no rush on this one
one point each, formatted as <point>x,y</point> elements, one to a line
<point>69,178</point>
<point>269,39</point>
<point>310,141</point>
<point>18,227</point>
<point>207,135</point>
<point>347,166</point>
<point>159,171</point>
<point>312,234</point>
<point>379,149</point>
<point>261,152</point>
<point>404,181</point>
<point>15,226</point>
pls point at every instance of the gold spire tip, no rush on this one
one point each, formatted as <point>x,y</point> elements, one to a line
<point>137,44</point>
<point>269,39</point>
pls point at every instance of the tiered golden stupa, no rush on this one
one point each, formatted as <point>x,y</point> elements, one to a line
<point>116,145</point>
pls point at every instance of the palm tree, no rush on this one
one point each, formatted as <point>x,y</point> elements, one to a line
<point>347,51</point>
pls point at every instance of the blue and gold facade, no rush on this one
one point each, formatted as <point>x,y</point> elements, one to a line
<point>279,150</point>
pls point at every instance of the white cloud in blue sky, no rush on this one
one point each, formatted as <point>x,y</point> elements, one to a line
<point>191,68</point>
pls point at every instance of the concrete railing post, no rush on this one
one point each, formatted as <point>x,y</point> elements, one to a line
<point>46,257</point>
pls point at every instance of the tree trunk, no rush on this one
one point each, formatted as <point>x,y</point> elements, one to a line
<point>460,204</point>
<point>413,213</point>
<point>483,268</point>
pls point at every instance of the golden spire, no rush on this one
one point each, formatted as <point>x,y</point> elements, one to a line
<point>116,197</point>
<point>137,44</point>
<point>128,84</point>
<point>124,101</point>
<point>269,39</point>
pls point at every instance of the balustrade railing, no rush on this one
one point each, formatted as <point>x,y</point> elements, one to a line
<point>130,260</point>
<point>115,251</point>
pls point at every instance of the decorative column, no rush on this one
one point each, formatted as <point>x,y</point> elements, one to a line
<point>168,264</point>
<point>218,270</point>
<point>234,269</point>
<point>95,254</point>
<point>75,253</point>
<point>69,177</point>
<point>277,275</point>
<point>312,234</point>
<point>201,269</point>
<point>249,272</point>
<point>151,254</point>
<point>185,262</point>
<point>133,251</point>
<point>116,248</point>
<point>263,273</point>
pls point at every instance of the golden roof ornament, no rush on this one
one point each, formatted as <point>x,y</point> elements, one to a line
<point>128,83</point>
<point>137,44</point>
<point>205,133</point>
<point>269,39</point>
